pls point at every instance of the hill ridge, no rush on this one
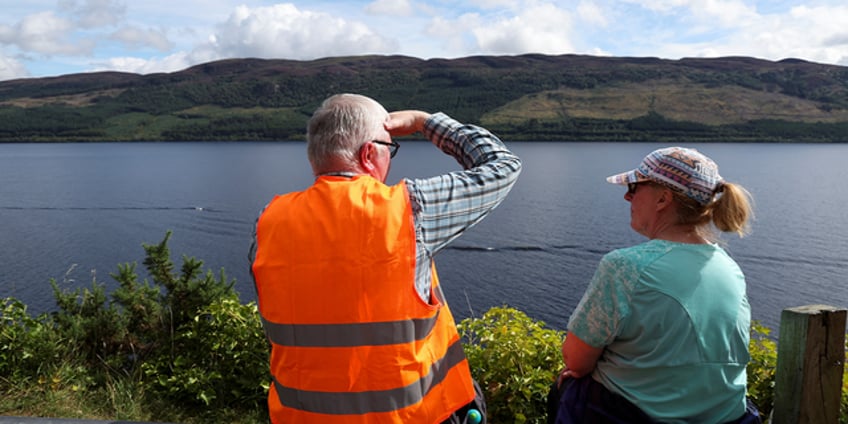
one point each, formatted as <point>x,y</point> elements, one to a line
<point>520,97</point>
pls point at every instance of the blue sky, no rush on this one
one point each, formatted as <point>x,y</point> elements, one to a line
<point>41,38</point>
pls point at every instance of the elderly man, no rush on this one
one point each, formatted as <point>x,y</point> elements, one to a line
<point>348,291</point>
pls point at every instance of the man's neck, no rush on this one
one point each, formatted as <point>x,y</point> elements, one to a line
<point>348,174</point>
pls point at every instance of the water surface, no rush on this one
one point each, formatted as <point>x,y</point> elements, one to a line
<point>74,211</point>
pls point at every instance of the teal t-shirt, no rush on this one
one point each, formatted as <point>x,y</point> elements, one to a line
<point>674,320</point>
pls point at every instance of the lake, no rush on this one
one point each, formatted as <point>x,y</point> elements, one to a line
<point>74,211</point>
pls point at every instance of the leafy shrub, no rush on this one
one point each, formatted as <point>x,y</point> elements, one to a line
<point>762,367</point>
<point>27,345</point>
<point>186,338</point>
<point>843,409</point>
<point>220,356</point>
<point>515,359</point>
<point>183,336</point>
<point>96,328</point>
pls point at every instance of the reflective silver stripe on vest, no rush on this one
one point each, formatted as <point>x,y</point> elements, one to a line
<point>349,335</point>
<point>355,403</point>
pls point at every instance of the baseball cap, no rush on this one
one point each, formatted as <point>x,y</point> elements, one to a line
<point>681,169</point>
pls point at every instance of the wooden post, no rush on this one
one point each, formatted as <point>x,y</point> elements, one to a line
<point>810,356</point>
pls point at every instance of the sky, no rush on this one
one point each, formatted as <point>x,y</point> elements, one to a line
<point>42,38</point>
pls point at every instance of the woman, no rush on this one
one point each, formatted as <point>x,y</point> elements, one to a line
<point>661,334</point>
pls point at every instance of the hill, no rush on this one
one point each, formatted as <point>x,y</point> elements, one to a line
<point>528,97</point>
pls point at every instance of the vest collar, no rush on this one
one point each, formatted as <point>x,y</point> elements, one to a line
<point>346,174</point>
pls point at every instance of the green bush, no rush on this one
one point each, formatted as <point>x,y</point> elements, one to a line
<point>183,348</point>
<point>28,346</point>
<point>220,357</point>
<point>184,336</point>
<point>515,359</point>
<point>761,368</point>
<point>95,327</point>
<point>843,409</point>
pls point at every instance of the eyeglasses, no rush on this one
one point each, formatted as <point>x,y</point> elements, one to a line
<point>393,147</point>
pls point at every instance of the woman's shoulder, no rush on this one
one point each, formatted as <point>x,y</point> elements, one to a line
<point>644,251</point>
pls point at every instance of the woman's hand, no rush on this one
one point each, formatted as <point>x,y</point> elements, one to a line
<point>564,374</point>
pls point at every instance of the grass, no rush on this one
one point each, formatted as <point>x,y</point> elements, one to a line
<point>77,100</point>
<point>680,101</point>
<point>142,126</point>
<point>118,399</point>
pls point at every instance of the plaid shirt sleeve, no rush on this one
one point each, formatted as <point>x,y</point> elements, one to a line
<point>446,205</point>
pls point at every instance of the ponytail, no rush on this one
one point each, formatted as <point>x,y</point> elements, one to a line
<point>730,212</point>
<point>732,209</point>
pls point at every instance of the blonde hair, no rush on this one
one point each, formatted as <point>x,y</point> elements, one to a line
<point>730,211</point>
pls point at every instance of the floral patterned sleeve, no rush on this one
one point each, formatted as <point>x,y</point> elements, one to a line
<point>605,305</point>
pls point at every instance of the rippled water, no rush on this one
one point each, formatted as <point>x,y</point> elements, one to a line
<point>74,211</point>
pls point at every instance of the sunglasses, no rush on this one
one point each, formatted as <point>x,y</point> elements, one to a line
<point>631,188</point>
<point>393,147</point>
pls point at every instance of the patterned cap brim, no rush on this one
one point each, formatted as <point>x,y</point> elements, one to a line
<point>628,177</point>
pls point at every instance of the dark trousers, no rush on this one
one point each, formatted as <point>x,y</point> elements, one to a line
<point>584,400</point>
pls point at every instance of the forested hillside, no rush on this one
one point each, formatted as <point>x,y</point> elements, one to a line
<point>529,97</point>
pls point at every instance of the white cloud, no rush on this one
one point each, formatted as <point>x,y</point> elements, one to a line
<point>7,34</point>
<point>53,37</point>
<point>804,32</point>
<point>592,14</point>
<point>95,13</point>
<point>662,6</point>
<point>284,31</point>
<point>838,39</point>
<point>730,13</point>
<point>128,64</point>
<point>710,12</point>
<point>599,52</point>
<point>712,28</point>
<point>813,33</point>
<point>11,69</point>
<point>45,33</point>
<point>539,29</point>
<point>495,4</point>
<point>136,37</point>
<point>450,32</point>
<point>171,63</point>
<point>390,7</point>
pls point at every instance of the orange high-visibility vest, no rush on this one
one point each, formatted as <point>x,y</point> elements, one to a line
<point>351,339</point>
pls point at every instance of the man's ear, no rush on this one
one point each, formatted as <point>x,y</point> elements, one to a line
<point>367,154</point>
